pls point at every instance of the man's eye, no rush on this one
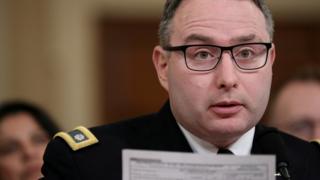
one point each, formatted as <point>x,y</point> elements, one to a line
<point>245,54</point>
<point>202,55</point>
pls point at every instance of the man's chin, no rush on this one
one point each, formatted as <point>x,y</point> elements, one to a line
<point>226,129</point>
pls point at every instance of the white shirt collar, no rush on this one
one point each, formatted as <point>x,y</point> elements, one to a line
<point>241,147</point>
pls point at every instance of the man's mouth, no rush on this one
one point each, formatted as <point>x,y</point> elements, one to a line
<point>225,109</point>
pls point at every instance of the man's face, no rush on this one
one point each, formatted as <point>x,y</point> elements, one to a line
<point>222,104</point>
<point>296,109</point>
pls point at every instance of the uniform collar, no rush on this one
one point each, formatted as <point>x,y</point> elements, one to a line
<point>241,147</point>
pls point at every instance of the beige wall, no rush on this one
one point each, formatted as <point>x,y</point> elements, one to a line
<point>47,53</point>
<point>4,65</point>
<point>47,49</point>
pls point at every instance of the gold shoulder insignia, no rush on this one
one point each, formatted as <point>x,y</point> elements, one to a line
<point>78,138</point>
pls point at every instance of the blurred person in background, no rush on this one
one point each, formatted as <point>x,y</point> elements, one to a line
<point>295,108</point>
<point>25,130</point>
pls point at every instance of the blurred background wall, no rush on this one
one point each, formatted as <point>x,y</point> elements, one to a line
<point>89,61</point>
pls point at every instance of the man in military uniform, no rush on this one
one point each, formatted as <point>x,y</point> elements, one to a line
<point>215,60</point>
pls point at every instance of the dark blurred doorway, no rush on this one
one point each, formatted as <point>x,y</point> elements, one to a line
<point>128,83</point>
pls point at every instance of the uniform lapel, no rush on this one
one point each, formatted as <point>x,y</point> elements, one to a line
<point>167,135</point>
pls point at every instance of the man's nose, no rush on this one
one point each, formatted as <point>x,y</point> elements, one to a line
<point>226,72</point>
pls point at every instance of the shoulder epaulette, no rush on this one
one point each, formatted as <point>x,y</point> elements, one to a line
<point>78,138</point>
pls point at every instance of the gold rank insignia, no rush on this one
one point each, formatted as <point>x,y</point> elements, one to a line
<point>78,138</point>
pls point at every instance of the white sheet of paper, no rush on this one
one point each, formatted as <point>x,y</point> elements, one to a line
<point>160,165</point>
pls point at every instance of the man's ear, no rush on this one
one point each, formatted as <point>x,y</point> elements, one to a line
<point>160,62</point>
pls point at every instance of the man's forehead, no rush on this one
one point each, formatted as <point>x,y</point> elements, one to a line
<point>207,39</point>
<point>232,21</point>
<point>219,7</point>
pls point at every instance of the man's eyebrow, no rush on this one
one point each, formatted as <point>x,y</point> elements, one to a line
<point>245,38</point>
<point>198,37</point>
<point>210,40</point>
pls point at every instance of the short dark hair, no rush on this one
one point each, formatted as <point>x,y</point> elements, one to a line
<point>39,115</point>
<point>171,6</point>
<point>306,73</point>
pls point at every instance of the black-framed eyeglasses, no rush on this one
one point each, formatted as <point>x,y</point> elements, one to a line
<point>202,57</point>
